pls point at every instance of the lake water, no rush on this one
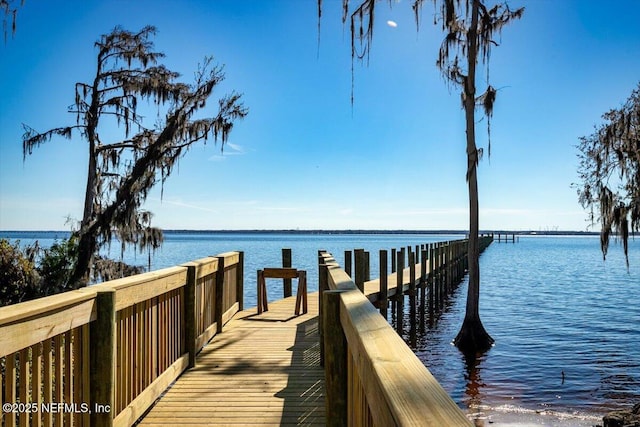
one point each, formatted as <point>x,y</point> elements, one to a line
<point>566,324</point>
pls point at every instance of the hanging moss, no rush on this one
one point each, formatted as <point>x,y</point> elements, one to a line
<point>610,173</point>
<point>122,172</point>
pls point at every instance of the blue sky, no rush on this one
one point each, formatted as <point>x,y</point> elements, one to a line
<point>304,157</point>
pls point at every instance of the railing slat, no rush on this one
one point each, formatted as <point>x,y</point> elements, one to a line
<point>10,388</point>
<point>58,350</point>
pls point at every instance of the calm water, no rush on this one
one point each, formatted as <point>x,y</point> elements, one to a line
<point>551,303</point>
<point>553,307</point>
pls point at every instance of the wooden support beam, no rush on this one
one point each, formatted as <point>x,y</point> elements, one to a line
<point>335,361</point>
<point>190,319</point>
<point>240,281</point>
<point>301,294</point>
<point>423,288</point>
<point>102,360</point>
<point>286,263</point>
<point>384,291</point>
<point>347,262</point>
<point>360,270</point>
<point>399,298</point>
<point>219,302</point>
<point>412,295</point>
<point>323,286</point>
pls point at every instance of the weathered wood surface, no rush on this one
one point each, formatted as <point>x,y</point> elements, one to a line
<point>261,370</point>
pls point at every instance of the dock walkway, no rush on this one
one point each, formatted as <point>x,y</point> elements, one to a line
<point>261,370</point>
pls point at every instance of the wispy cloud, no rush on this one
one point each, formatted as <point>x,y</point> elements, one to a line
<point>237,148</point>
<point>230,149</point>
<point>182,204</point>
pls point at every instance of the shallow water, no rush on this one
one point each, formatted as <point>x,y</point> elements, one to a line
<point>551,303</point>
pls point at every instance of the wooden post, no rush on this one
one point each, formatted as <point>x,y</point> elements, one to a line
<point>367,268</point>
<point>399,294</point>
<point>301,295</point>
<point>456,262</point>
<point>394,268</point>
<point>412,295</point>
<point>240,281</point>
<point>102,342</point>
<point>447,263</point>
<point>384,291</point>
<point>393,260</point>
<point>190,321</point>
<point>335,361</point>
<point>432,256</point>
<point>360,262</point>
<point>436,278</point>
<point>323,286</point>
<point>347,263</point>
<point>262,292</point>
<point>423,288</point>
<point>443,277</point>
<point>286,263</point>
<point>219,302</point>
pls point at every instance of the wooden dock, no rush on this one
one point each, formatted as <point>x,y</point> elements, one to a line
<point>261,370</point>
<point>175,347</point>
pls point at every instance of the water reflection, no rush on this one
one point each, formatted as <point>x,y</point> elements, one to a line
<point>566,335</point>
<point>474,387</point>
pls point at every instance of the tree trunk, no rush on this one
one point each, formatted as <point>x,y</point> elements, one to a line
<point>87,245</point>
<point>86,251</point>
<point>472,338</point>
<point>86,240</point>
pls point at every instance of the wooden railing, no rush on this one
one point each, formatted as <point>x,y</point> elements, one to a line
<point>44,361</point>
<point>103,354</point>
<point>372,377</point>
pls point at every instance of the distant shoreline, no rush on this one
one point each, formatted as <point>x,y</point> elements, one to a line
<point>348,231</point>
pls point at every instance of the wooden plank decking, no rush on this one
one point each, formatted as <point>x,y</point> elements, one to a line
<point>261,370</point>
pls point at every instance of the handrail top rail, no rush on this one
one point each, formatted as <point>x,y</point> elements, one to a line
<point>32,308</point>
<point>28,309</point>
<point>201,261</point>
<point>401,389</point>
<point>230,258</point>
<point>138,279</point>
<point>203,266</point>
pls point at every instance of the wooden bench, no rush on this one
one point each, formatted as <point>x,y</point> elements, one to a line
<point>282,273</point>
